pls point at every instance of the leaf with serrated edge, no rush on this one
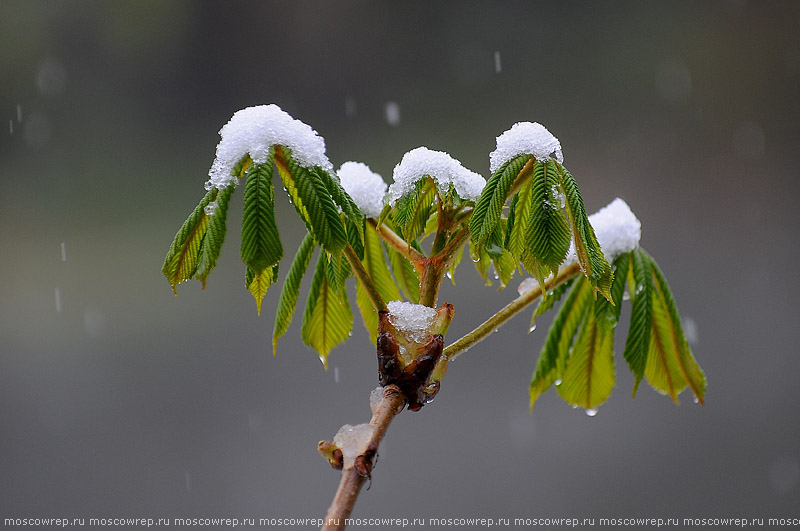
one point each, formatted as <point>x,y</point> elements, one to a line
<point>181,260</point>
<point>553,358</point>
<point>327,319</point>
<point>593,264</point>
<point>290,290</point>
<point>489,207</point>
<point>258,282</point>
<point>411,212</point>
<point>637,345</point>
<point>312,201</point>
<point>589,375</point>
<point>547,235</point>
<point>215,236</point>
<point>671,367</point>
<point>261,246</point>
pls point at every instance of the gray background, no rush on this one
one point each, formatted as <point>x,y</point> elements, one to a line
<point>119,399</point>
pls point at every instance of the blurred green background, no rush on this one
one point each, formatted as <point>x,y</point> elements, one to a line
<point>119,399</point>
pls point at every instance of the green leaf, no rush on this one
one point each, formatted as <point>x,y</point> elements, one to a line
<point>451,271</point>
<point>554,355</point>
<point>404,274</point>
<point>351,211</point>
<point>327,319</point>
<point>590,256</point>
<point>547,235</point>
<point>258,282</point>
<point>312,200</point>
<point>261,245</point>
<point>291,289</point>
<point>378,270</point>
<point>637,345</point>
<point>670,367</point>
<point>181,261</point>
<point>481,260</point>
<point>589,375</point>
<point>521,213</point>
<point>489,207</point>
<point>548,302</point>
<point>215,236</point>
<point>411,212</point>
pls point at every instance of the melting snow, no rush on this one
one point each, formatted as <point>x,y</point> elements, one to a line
<point>254,131</point>
<point>525,138</point>
<point>375,398</point>
<point>366,187</point>
<point>444,169</point>
<point>353,441</point>
<point>412,319</point>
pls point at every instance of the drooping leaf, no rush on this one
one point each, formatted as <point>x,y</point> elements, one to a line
<point>412,210</point>
<point>590,256</point>
<point>327,319</point>
<point>215,236</point>
<point>312,201</point>
<point>451,271</point>
<point>261,245</point>
<point>489,207</point>
<point>351,211</point>
<point>181,261</point>
<point>481,260</point>
<point>291,289</point>
<point>553,358</point>
<point>548,302</point>
<point>589,375</point>
<point>670,367</point>
<point>378,270</point>
<point>504,266</point>
<point>637,345</point>
<point>521,213</point>
<point>547,235</point>
<point>258,282</point>
<point>404,274</point>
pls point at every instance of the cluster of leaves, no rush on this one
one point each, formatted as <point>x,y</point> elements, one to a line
<point>534,232</point>
<point>545,214</point>
<point>578,354</point>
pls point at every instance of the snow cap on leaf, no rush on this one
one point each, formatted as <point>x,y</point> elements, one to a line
<point>367,188</point>
<point>253,131</point>
<point>525,138</point>
<point>443,168</point>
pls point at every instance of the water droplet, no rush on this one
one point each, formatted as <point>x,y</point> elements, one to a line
<point>63,252</point>
<point>639,288</point>
<point>558,381</point>
<point>591,412</point>
<point>695,400</point>
<point>19,112</point>
<point>336,375</point>
<point>626,296</point>
<point>532,328</point>
<point>208,185</point>
<point>498,67</point>
<point>58,299</point>
<point>449,275</point>
<point>211,208</point>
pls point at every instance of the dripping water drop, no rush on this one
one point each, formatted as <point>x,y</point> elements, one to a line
<point>591,412</point>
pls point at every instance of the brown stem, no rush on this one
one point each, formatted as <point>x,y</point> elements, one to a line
<point>350,485</point>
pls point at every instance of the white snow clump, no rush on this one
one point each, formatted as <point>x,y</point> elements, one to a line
<point>412,319</point>
<point>525,138</point>
<point>444,169</point>
<point>353,441</point>
<point>366,187</point>
<point>254,131</point>
<point>617,229</point>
